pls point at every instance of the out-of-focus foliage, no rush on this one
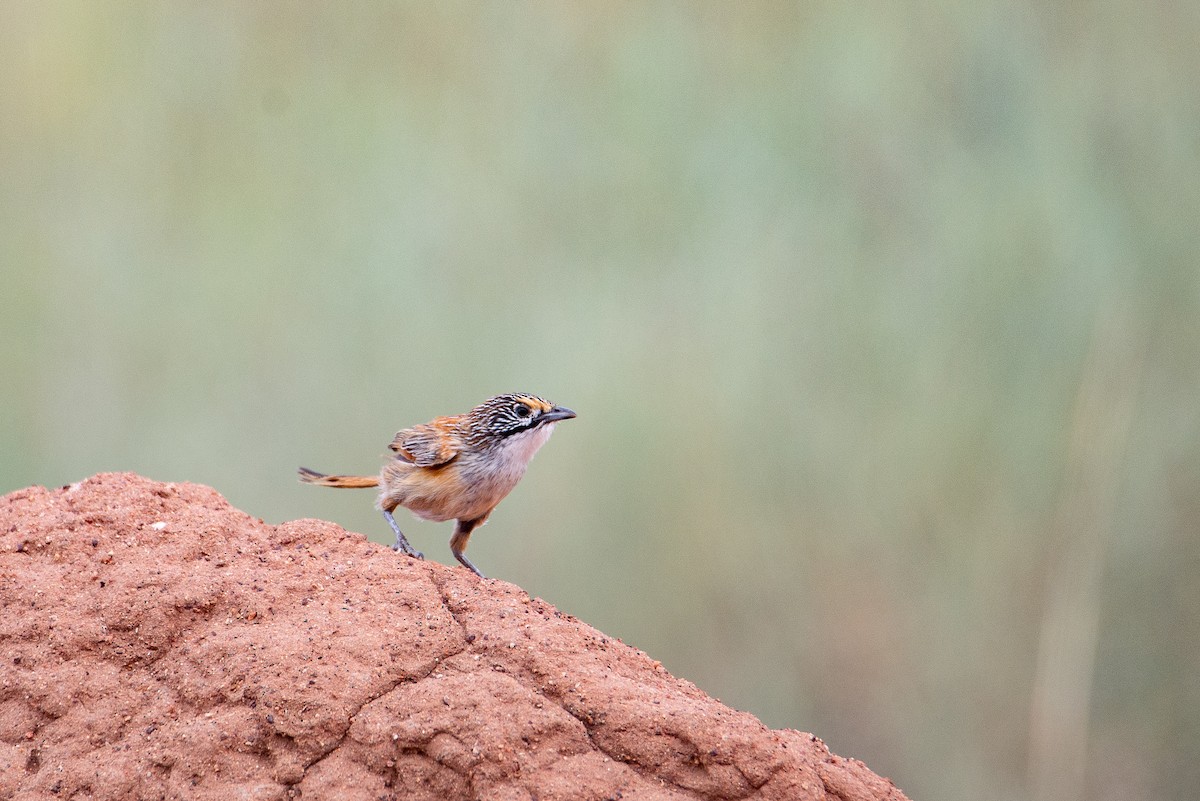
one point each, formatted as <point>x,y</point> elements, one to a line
<point>882,322</point>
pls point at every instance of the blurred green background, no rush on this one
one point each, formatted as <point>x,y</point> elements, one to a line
<point>882,322</point>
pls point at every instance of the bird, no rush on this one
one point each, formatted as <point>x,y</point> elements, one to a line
<point>457,467</point>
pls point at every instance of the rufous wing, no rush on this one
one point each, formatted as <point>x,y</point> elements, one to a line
<point>425,445</point>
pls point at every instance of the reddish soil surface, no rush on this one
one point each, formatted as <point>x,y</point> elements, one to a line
<point>157,643</point>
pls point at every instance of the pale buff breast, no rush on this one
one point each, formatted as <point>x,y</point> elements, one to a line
<point>469,487</point>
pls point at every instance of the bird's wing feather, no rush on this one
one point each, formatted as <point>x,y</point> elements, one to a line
<point>426,445</point>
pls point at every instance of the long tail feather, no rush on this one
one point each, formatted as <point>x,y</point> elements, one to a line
<point>342,482</point>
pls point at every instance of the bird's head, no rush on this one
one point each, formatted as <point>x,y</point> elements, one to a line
<point>515,414</point>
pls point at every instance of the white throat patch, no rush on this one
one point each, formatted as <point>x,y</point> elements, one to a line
<point>519,448</point>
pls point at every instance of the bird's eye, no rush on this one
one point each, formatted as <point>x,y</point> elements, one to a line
<point>523,410</point>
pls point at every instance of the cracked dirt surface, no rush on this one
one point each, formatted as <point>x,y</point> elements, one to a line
<point>158,643</point>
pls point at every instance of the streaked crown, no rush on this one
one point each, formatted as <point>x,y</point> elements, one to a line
<point>505,415</point>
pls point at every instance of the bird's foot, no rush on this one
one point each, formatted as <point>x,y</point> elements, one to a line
<point>408,550</point>
<point>401,543</point>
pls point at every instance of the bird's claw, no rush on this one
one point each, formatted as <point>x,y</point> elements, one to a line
<point>398,548</point>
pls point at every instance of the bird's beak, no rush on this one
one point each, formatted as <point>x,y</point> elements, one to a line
<point>556,414</point>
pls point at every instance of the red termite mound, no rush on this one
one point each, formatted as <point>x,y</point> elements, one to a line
<point>157,643</point>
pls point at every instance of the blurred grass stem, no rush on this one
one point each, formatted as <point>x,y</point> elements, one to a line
<point>1060,706</point>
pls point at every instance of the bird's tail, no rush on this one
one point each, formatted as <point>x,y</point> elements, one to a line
<point>344,482</point>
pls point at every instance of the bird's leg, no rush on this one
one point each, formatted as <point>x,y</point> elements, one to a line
<point>401,543</point>
<point>458,543</point>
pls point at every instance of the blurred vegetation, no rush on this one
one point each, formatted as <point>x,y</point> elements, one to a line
<point>882,322</point>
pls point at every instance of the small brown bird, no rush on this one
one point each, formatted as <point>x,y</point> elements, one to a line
<point>457,467</point>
